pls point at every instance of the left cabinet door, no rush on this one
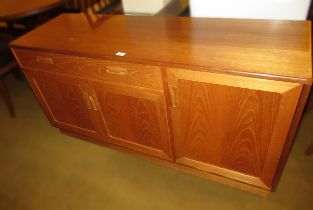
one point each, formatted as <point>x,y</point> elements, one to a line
<point>67,101</point>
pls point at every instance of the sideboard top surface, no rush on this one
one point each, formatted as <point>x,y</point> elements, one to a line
<point>266,47</point>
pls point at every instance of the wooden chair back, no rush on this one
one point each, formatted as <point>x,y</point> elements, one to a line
<point>92,6</point>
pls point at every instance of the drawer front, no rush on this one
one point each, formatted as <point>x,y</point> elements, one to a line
<point>97,69</point>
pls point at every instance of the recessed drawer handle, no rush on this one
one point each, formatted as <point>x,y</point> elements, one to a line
<point>44,60</point>
<point>117,71</point>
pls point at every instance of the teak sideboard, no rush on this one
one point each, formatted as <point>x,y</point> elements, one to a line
<point>219,98</point>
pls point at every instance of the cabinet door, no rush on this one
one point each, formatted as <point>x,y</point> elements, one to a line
<point>135,118</point>
<point>232,126</point>
<point>67,101</point>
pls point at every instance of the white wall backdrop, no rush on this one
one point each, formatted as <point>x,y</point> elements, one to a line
<point>251,9</point>
<point>144,6</point>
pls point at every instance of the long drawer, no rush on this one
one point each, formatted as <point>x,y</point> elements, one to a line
<point>100,69</point>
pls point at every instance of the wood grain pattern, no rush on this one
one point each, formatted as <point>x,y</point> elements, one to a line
<point>283,122</point>
<point>218,98</point>
<point>128,116</point>
<point>139,114</point>
<point>137,74</point>
<point>134,118</point>
<point>174,165</point>
<point>226,122</point>
<point>261,47</point>
<point>63,100</point>
<point>291,134</point>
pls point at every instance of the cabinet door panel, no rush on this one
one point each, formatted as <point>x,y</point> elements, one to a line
<point>64,100</point>
<point>135,118</point>
<point>230,125</point>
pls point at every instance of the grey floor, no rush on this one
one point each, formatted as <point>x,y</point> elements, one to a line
<point>41,169</point>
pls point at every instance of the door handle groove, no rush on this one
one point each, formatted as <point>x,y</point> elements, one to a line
<point>44,60</point>
<point>88,103</point>
<point>92,102</point>
<point>173,93</point>
<point>116,71</point>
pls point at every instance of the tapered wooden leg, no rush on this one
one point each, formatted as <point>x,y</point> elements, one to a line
<point>309,150</point>
<point>7,98</point>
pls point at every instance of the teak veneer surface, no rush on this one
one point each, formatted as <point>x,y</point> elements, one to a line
<point>258,47</point>
<point>174,95</point>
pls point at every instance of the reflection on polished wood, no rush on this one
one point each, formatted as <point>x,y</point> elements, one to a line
<point>214,97</point>
<point>280,48</point>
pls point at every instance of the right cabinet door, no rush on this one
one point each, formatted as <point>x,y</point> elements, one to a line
<point>232,126</point>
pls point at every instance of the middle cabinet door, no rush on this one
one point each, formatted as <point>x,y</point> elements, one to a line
<point>134,118</point>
